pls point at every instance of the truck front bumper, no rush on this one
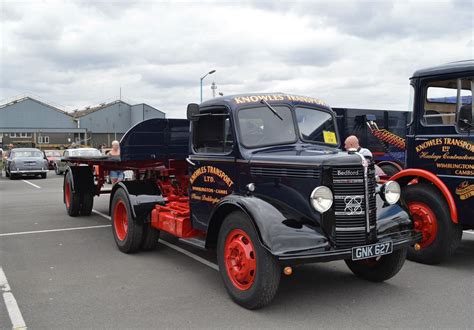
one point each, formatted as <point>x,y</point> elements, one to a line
<point>400,240</point>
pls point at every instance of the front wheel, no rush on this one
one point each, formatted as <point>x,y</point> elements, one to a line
<point>431,217</point>
<point>250,273</point>
<point>378,269</point>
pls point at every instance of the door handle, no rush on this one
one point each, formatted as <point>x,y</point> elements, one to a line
<point>190,161</point>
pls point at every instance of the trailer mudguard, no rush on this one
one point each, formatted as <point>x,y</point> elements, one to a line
<point>142,195</point>
<point>282,234</point>
<point>82,179</point>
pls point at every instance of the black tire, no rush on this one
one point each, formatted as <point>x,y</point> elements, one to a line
<point>380,269</point>
<point>87,203</point>
<point>7,174</point>
<point>130,241</point>
<point>71,199</point>
<point>389,169</point>
<point>448,234</point>
<point>150,237</point>
<point>44,175</point>
<point>267,273</point>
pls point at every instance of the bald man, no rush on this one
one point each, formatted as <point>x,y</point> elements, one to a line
<point>352,142</point>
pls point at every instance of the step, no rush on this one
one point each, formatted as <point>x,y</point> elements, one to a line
<point>198,242</point>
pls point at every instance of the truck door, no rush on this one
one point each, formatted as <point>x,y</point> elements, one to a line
<point>443,140</point>
<point>212,164</point>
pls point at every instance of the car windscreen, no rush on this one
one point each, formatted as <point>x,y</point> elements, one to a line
<point>84,153</point>
<point>259,126</point>
<point>27,153</point>
<point>316,126</point>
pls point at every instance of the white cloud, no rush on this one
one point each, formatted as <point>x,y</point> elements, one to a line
<point>350,53</point>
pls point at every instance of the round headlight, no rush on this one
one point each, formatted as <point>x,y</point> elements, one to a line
<point>321,199</point>
<point>391,192</point>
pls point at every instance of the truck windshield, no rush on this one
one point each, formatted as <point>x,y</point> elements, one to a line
<point>260,127</point>
<point>316,126</point>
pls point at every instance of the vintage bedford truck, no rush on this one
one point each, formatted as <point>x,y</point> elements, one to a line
<point>261,180</point>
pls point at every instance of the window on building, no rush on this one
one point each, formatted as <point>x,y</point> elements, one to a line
<point>43,139</point>
<point>25,135</point>
<point>13,135</point>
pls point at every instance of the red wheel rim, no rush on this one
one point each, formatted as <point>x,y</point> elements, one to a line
<point>240,259</point>
<point>67,194</point>
<point>120,220</point>
<point>425,221</point>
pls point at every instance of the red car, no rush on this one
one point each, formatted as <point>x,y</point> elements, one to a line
<point>53,156</point>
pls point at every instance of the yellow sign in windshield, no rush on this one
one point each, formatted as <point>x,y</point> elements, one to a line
<point>330,137</point>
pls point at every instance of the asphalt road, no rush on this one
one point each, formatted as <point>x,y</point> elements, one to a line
<point>77,278</point>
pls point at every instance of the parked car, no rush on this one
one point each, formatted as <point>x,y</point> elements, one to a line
<point>62,163</point>
<point>53,156</point>
<point>26,161</point>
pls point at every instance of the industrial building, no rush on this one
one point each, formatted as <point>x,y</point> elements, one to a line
<point>28,121</point>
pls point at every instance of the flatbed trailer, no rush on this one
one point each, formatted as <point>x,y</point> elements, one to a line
<point>239,177</point>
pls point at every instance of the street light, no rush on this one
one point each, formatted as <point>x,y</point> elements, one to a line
<point>202,78</point>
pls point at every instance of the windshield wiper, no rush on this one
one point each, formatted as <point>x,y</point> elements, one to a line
<point>271,108</point>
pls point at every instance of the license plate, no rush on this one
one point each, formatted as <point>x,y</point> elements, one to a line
<point>371,251</point>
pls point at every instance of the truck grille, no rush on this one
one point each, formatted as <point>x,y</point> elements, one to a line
<point>350,206</point>
<point>277,172</point>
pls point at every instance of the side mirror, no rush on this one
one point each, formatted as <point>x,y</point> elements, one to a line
<point>192,112</point>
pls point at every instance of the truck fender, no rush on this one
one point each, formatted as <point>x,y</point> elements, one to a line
<point>82,179</point>
<point>142,196</point>
<point>277,232</point>
<point>406,176</point>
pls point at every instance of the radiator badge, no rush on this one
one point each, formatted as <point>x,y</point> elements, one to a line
<point>353,205</point>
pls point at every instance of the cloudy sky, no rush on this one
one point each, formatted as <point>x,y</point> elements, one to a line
<point>348,53</point>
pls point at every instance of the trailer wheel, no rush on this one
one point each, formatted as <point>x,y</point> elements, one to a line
<point>87,203</point>
<point>71,199</point>
<point>378,269</point>
<point>150,237</point>
<point>431,217</point>
<point>250,273</point>
<point>127,230</point>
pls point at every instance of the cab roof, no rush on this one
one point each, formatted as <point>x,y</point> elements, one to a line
<point>453,67</point>
<point>241,100</point>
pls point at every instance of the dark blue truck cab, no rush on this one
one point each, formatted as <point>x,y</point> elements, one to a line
<point>264,183</point>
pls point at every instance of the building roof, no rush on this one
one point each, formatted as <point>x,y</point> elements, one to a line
<point>91,109</point>
<point>21,99</point>
<point>453,67</point>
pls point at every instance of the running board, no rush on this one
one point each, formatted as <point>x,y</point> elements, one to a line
<point>198,242</point>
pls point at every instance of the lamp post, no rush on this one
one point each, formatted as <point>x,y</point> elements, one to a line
<point>202,78</point>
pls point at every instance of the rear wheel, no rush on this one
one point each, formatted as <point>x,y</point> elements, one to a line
<point>150,237</point>
<point>250,273</point>
<point>431,217</point>
<point>127,230</point>
<point>87,203</point>
<point>378,269</point>
<point>71,198</point>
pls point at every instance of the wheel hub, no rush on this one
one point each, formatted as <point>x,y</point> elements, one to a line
<point>120,220</point>
<point>424,221</point>
<point>240,259</point>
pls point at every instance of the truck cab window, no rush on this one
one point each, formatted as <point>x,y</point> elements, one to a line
<point>443,99</point>
<point>213,134</point>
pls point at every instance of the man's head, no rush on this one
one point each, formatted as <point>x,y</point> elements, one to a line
<point>115,145</point>
<point>352,142</point>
